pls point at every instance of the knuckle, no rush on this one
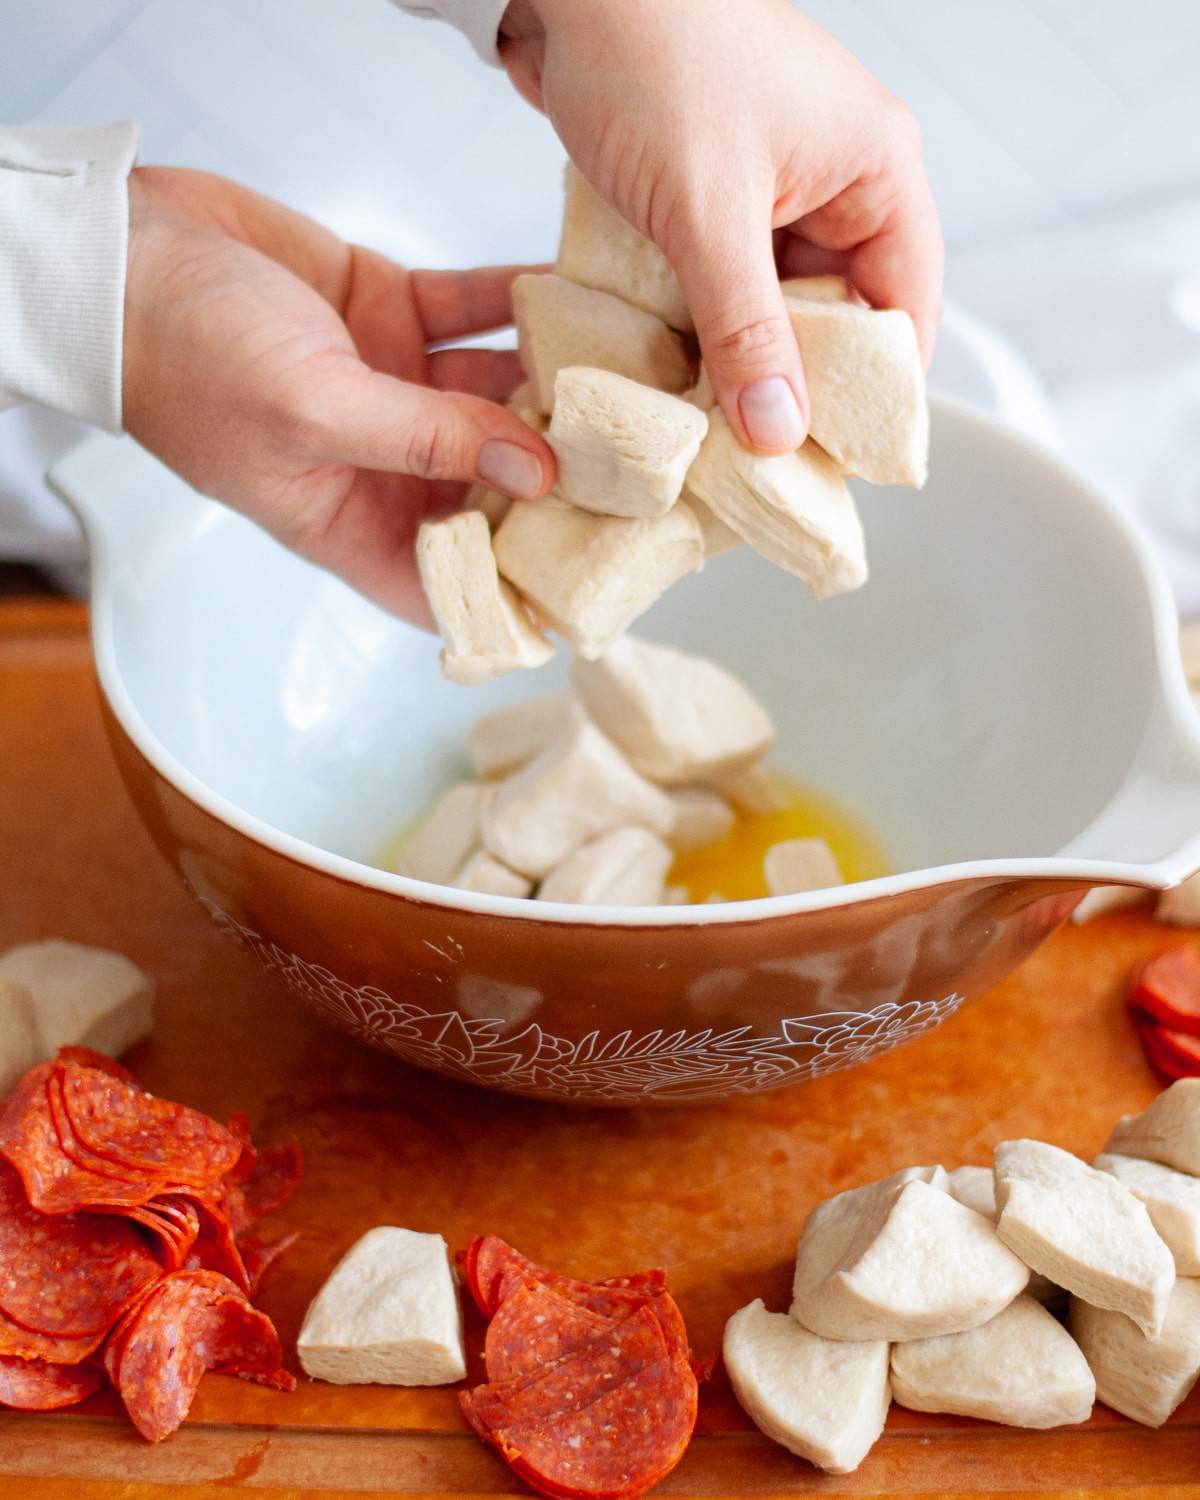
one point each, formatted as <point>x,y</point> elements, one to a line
<point>429,448</point>
<point>754,341</point>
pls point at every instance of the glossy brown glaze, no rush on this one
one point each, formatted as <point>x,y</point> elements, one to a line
<point>595,1013</point>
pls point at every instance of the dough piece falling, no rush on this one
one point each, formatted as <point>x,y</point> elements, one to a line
<point>508,738</point>
<point>678,718</point>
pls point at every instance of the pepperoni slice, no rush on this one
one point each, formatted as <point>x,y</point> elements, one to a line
<point>86,1058</point>
<point>534,1326</point>
<point>258,1257</point>
<point>606,1301</point>
<point>69,1275</point>
<point>17,1342</point>
<point>487,1259</point>
<point>274,1177</point>
<point>614,1447</point>
<point>1166,986</point>
<point>620,1351</point>
<point>143,1133</point>
<point>34,1385</point>
<point>192,1321</point>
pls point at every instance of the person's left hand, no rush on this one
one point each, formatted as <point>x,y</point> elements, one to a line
<point>294,378</point>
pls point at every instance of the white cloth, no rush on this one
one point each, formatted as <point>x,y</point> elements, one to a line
<point>64,232</point>
<point>479,20</point>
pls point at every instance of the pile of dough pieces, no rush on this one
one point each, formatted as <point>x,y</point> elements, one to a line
<point>58,994</point>
<point>931,1288</point>
<point>586,796</point>
<point>651,480</point>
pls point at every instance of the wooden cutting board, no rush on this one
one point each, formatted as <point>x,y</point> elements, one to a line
<point>716,1193</point>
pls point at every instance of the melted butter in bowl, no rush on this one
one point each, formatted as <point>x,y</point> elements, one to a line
<point>732,868</point>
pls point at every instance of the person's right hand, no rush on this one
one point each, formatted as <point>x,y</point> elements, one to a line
<point>291,376</point>
<point>746,143</point>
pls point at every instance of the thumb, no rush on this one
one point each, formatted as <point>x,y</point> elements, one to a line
<point>375,421</point>
<point>727,275</point>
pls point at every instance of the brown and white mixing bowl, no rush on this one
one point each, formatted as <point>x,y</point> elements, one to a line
<point>1002,704</point>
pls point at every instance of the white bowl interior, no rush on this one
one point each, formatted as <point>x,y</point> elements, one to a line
<point>983,696</point>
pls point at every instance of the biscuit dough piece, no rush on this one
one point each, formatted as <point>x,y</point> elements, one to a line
<point>622,448</point>
<point>1172,1200</point>
<point>446,837</point>
<point>751,789</point>
<point>1145,1379</point>
<point>795,865</point>
<point>901,1259</point>
<point>1083,1230</point>
<point>1168,1131</point>
<point>866,388</point>
<point>20,1044</point>
<point>677,718</point>
<point>718,537</point>
<point>560,323</point>
<point>702,817</point>
<point>626,867</point>
<point>816,288</point>
<point>485,628</point>
<point>489,877</point>
<point>1020,1368</point>
<point>82,996</point>
<point>599,249</point>
<point>794,508</point>
<point>824,1400</point>
<point>590,577</point>
<point>509,737</point>
<point>976,1187</point>
<point>579,787</point>
<point>388,1315</point>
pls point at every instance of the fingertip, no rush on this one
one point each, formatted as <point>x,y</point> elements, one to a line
<point>771,416</point>
<point>514,469</point>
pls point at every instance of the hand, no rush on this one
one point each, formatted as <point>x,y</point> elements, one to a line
<point>290,376</point>
<point>747,144</point>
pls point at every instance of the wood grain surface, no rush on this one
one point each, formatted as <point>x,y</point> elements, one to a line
<point>716,1193</point>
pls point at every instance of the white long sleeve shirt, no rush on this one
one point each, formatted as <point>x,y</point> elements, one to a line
<point>64,239</point>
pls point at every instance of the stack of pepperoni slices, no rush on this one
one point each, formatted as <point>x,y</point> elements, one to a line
<point>123,1246</point>
<point>591,1392</point>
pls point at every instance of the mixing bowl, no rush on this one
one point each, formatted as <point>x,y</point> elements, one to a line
<point>1002,704</point>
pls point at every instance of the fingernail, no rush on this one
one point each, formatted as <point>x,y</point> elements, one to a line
<point>505,466</point>
<point>772,414</point>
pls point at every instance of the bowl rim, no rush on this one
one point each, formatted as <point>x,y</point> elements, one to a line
<point>1159,874</point>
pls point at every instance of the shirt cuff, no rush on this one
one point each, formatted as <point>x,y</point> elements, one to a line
<point>64,240</point>
<point>478,20</point>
